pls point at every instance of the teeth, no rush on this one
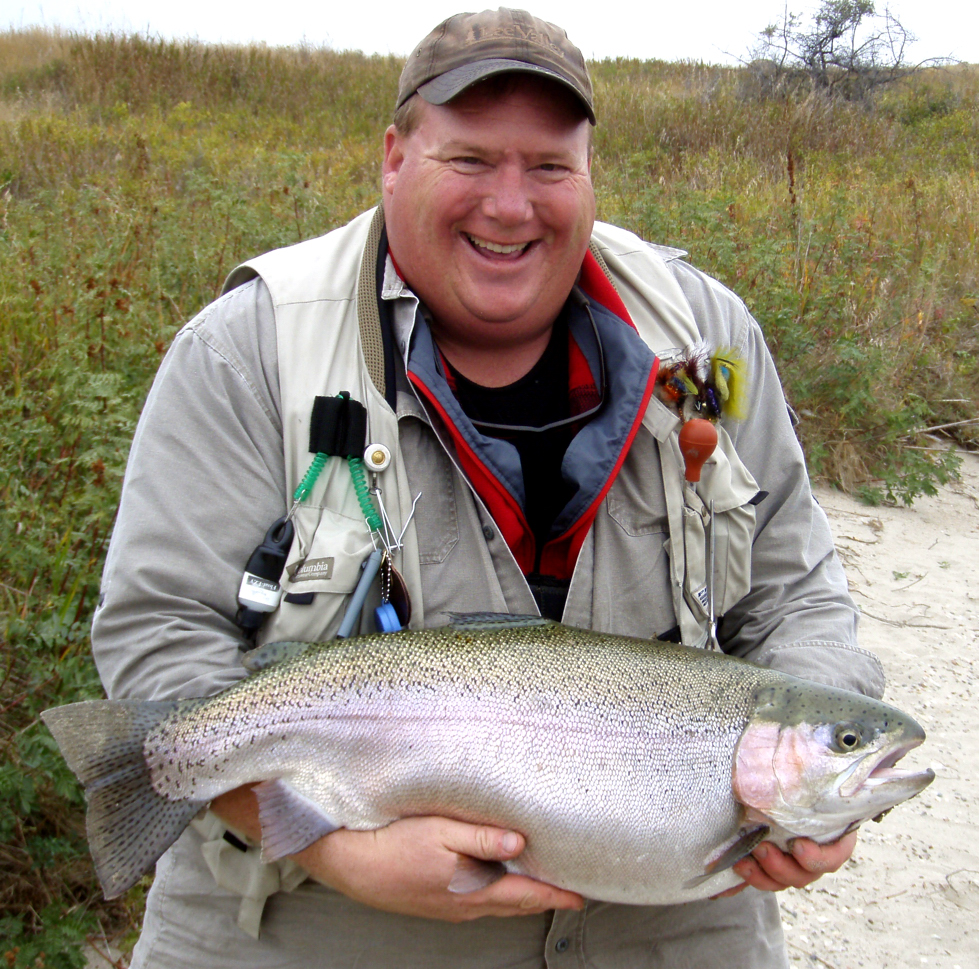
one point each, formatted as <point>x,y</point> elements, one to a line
<point>495,246</point>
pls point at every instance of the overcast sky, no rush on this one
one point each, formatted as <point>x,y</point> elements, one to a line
<point>715,31</point>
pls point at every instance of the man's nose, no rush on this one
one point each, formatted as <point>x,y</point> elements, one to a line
<point>507,199</point>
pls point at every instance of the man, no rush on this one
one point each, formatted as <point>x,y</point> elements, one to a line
<point>503,347</point>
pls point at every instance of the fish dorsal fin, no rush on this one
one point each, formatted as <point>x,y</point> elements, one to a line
<point>489,621</point>
<point>262,657</point>
<point>741,848</point>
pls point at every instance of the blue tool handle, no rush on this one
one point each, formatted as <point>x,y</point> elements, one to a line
<point>350,617</point>
<point>386,618</point>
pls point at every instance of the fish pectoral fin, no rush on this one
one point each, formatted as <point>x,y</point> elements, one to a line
<point>470,621</point>
<point>262,657</point>
<point>741,848</point>
<point>290,820</point>
<point>472,874</point>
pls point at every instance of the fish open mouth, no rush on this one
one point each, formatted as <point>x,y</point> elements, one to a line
<point>886,773</point>
<point>876,771</point>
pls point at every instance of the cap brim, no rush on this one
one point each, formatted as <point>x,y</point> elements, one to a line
<point>446,86</point>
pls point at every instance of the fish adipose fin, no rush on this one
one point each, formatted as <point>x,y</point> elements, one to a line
<point>740,849</point>
<point>468,621</point>
<point>290,821</point>
<point>262,657</point>
<point>472,874</point>
<point>129,824</point>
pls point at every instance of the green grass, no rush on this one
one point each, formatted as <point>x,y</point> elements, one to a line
<point>134,174</point>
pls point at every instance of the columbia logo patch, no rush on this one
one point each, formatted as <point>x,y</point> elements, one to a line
<point>312,569</point>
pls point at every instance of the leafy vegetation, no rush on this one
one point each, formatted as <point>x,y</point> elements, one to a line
<point>135,173</point>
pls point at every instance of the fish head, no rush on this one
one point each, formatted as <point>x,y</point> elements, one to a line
<point>815,762</point>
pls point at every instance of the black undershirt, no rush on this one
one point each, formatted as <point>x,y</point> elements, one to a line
<point>526,407</point>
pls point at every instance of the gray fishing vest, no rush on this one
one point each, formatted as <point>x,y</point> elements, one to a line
<point>328,334</point>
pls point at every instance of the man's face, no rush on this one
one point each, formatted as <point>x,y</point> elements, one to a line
<point>489,209</point>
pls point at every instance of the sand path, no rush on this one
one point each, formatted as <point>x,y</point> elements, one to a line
<point>910,895</point>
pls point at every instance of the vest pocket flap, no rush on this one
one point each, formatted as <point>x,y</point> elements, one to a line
<point>724,479</point>
<point>659,420</point>
<point>327,552</point>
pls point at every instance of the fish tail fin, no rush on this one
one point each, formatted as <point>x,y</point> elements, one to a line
<point>129,824</point>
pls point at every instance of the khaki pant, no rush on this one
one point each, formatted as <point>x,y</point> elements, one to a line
<point>191,925</point>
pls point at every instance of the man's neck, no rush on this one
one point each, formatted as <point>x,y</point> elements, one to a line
<point>496,365</point>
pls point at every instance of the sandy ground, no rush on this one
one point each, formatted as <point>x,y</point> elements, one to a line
<point>909,897</point>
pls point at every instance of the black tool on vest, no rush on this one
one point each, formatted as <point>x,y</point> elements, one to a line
<point>338,426</point>
<point>260,591</point>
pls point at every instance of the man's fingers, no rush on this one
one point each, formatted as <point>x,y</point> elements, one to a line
<point>781,869</point>
<point>775,877</point>
<point>820,859</point>
<point>519,895</point>
<point>769,869</point>
<point>482,841</point>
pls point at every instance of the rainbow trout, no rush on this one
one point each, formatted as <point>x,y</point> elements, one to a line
<point>638,771</point>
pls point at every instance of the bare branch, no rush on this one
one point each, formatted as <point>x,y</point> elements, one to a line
<point>845,48</point>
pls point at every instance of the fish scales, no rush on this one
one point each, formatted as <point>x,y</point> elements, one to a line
<point>615,757</point>
<point>448,722</point>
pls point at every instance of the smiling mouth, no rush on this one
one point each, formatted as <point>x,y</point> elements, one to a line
<point>485,246</point>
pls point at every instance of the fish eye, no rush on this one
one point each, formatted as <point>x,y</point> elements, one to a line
<point>847,737</point>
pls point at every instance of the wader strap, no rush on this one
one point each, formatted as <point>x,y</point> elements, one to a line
<point>597,253</point>
<point>368,314</point>
<point>237,866</point>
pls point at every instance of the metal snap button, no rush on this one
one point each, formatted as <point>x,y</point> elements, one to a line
<point>377,457</point>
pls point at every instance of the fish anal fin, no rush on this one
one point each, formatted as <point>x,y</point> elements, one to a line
<point>472,874</point>
<point>489,621</point>
<point>290,820</point>
<point>742,847</point>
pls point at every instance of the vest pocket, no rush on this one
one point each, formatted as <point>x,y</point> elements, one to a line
<point>325,560</point>
<point>733,532</point>
<point>632,593</point>
<point>326,553</point>
<point>636,502</point>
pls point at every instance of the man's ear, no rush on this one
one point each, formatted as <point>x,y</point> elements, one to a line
<point>393,158</point>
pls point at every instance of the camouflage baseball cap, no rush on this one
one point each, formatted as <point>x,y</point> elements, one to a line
<point>469,47</point>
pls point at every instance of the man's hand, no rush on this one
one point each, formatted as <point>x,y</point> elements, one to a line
<point>407,866</point>
<point>771,870</point>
